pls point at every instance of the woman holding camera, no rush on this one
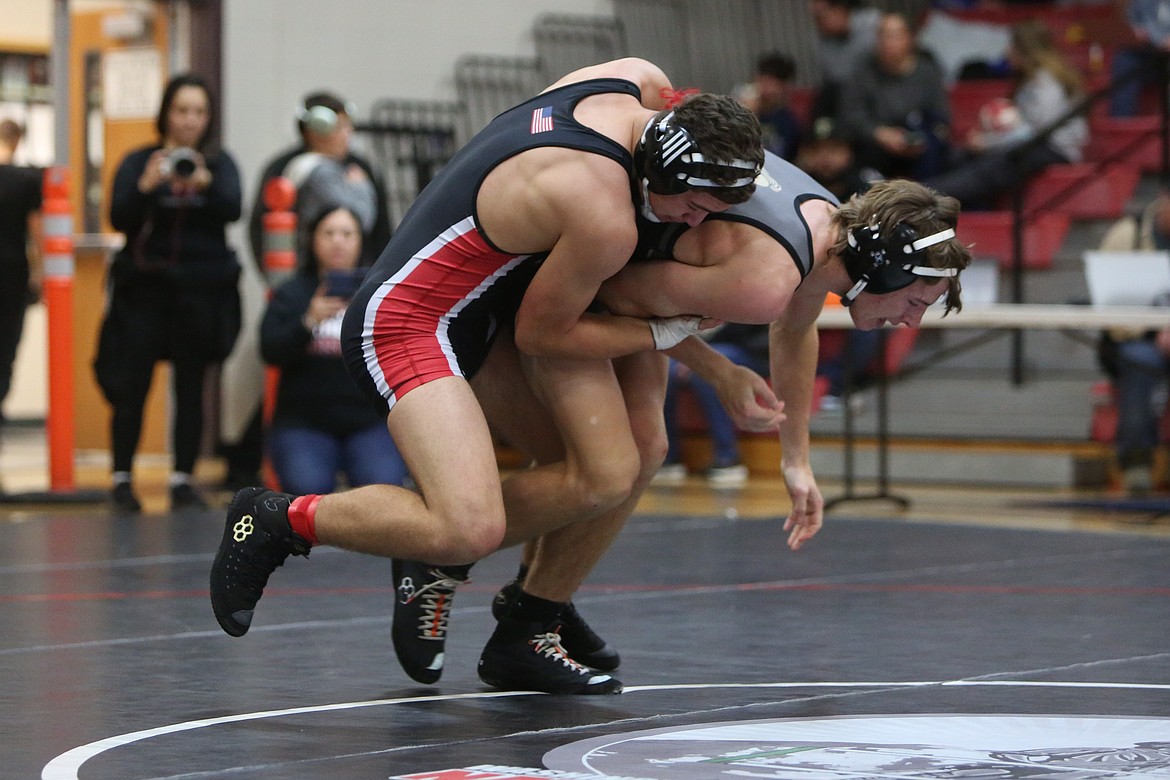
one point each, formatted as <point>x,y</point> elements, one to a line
<point>172,288</point>
<point>322,423</point>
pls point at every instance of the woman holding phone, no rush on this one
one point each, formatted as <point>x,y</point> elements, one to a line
<point>322,424</point>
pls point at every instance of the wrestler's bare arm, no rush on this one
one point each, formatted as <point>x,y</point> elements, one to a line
<point>724,270</point>
<point>743,393</point>
<point>792,348</point>
<point>596,236</point>
<point>647,76</point>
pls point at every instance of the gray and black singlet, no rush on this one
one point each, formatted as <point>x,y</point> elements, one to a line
<point>773,208</point>
<point>431,304</point>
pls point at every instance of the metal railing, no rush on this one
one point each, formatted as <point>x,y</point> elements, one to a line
<point>411,140</point>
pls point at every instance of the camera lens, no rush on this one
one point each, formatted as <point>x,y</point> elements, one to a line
<point>182,162</point>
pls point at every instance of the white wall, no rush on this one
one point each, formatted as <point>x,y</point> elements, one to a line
<point>27,23</point>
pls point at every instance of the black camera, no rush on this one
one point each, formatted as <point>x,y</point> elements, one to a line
<point>180,163</point>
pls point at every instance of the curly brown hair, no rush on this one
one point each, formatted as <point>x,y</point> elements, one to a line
<point>724,130</point>
<point>900,201</point>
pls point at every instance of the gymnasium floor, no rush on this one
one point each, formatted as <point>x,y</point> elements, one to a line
<point>977,634</point>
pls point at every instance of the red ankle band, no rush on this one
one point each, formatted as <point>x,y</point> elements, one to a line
<point>302,516</point>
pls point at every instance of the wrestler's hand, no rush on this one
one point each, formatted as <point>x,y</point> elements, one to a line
<point>669,332</point>
<point>808,505</point>
<point>749,400</point>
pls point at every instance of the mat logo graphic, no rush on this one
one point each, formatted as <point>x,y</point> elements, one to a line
<point>243,528</point>
<point>489,772</point>
<point>1031,747</point>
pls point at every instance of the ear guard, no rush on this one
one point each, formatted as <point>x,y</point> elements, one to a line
<point>671,163</point>
<point>883,264</point>
<point>321,119</point>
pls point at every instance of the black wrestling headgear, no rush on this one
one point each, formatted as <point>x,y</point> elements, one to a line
<point>671,163</point>
<point>882,264</point>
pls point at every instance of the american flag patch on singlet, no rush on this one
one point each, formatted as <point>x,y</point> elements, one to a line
<point>542,120</point>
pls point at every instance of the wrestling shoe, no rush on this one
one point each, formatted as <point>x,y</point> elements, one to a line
<point>422,610</point>
<point>256,540</point>
<point>528,656</point>
<point>579,640</point>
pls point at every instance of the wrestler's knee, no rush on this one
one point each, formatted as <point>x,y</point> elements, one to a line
<point>604,483</point>
<point>652,447</point>
<point>466,536</point>
<point>651,440</point>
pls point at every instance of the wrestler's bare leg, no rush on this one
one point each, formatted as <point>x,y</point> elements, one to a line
<point>564,558</point>
<point>459,517</point>
<point>441,431</point>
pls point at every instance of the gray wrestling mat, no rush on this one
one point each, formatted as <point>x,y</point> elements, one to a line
<point>885,649</point>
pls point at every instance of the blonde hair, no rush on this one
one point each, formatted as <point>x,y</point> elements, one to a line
<point>1032,42</point>
<point>900,201</point>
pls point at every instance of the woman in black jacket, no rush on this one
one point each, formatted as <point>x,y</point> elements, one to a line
<point>172,288</point>
<point>322,423</point>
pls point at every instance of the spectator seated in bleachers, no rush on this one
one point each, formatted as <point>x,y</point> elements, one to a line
<point>322,424</point>
<point>895,108</point>
<point>1143,62</point>
<point>827,156</point>
<point>999,155</point>
<point>846,33</point>
<point>769,97</point>
<point>1138,363</point>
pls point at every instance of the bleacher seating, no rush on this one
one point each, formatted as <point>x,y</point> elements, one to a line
<point>1084,33</point>
<point>1119,152</point>
<point>967,97</point>
<point>1083,190</point>
<point>1137,138</point>
<point>990,234</point>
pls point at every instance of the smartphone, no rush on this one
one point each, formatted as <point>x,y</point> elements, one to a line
<point>343,284</point>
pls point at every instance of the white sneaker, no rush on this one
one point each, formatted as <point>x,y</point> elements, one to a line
<point>835,404</point>
<point>670,474</point>
<point>728,476</point>
<point>1137,480</point>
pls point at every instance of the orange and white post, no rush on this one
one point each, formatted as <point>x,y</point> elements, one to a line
<point>57,291</point>
<point>280,263</point>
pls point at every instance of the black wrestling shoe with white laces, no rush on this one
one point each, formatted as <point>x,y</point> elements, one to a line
<point>579,640</point>
<point>525,656</point>
<point>256,540</point>
<point>422,609</point>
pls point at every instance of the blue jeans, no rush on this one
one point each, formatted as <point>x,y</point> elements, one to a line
<point>308,460</point>
<point>719,423</point>
<point>1141,370</point>
<point>861,348</point>
<point>1126,98</point>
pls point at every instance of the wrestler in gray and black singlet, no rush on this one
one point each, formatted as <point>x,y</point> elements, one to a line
<point>774,208</point>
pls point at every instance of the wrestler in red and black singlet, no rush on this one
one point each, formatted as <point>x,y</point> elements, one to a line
<point>433,302</point>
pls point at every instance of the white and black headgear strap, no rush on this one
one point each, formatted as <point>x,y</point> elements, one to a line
<point>669,161</point>
<point>886,263</point>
